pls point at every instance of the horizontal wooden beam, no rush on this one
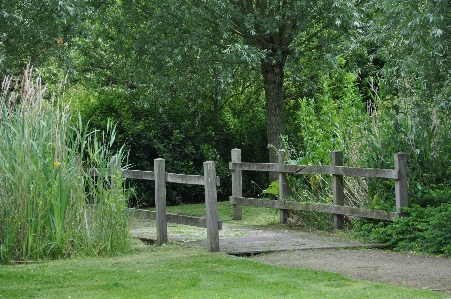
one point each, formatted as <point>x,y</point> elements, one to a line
<point>173,218</point>
<point>313,207</point>
<point>188,179</point>
<point>308,169</point>
<point>365,172</point>
<point>138,174</point>
<point>253,166</point>
<point>184,179</point>
<point>170,177</point>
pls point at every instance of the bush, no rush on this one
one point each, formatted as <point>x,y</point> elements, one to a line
<point>423,229</point>
<point>330,121</point>
<point>182,132</point>
<point>421,129</point>
<point>50,207</point>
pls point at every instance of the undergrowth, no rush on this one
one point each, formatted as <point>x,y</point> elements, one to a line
<point>51,206</point>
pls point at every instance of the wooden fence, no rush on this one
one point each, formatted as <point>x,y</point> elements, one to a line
<point>337,170</point>
<point>209,180</point>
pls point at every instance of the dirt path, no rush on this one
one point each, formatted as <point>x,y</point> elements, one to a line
<point>321,252</point>
<point>402,269</point>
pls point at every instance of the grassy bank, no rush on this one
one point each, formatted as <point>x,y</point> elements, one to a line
<point>175,271</point>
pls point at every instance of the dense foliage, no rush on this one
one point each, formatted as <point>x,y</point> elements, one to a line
<point>50,204</point>
<point>190,80</point>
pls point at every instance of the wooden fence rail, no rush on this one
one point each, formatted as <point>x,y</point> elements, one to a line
<point>209,180</point>
<point>337,170</point>
<point>172,218</point>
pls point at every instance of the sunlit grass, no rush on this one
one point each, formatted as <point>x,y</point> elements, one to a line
<point>175,271</point>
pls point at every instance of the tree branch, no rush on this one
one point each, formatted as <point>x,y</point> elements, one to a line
<point>243,89</point>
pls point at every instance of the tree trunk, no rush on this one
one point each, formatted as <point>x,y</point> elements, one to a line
<point>273,75</point>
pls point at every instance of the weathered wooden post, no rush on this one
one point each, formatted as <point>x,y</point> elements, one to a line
<point>160,201</point>
<point>237,184</point>
<point>338,188</point>
<point>401,188</point>
<point>211,204</point>
<point>284,188</point>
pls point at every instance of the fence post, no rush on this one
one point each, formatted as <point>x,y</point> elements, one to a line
<point>211,204</point>
<point>338,188</point>
<point>160,201</point>
<point>237,184</point>
<point>284,189</point>
<point>401,188</point>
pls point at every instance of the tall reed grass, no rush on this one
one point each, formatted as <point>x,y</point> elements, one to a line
<point>330,121</point>
<point>51,206</point>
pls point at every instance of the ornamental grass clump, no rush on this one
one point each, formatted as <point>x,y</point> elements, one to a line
<point>51,204</point>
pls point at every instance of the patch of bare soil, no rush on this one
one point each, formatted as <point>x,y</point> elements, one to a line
<point>402,269</point>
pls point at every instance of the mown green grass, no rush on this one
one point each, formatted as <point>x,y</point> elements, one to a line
<point>174,271</point>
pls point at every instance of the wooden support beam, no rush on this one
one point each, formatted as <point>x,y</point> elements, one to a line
<point>211,206</point>
<point>401,186</point>
<point>338,189</point>
<point>160,201</point>
<point>308,169</point>
<point>172,218</point>
<point>237,184</point>
<point>284,188</point>
<point>314,207</point>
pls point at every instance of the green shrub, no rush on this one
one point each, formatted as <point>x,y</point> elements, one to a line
<point>182,132</point>
<point>421,129</point>
<point>423,229</point>
<point>416,127</point>
<point>332,120</point>
<point>50,206</point>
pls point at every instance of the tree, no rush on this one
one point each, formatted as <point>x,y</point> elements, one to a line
<point>414,39</point>
<point>264,33</point>
<point>33,31</point>
<point>173,91</point>
<point>278,29</point>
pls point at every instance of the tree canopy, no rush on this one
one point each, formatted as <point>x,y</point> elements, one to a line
<point>259,34</point>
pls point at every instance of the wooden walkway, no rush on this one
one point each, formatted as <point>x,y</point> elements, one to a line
<point>239,240</point>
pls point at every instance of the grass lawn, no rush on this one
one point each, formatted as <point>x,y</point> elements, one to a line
<point>175,271</point>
